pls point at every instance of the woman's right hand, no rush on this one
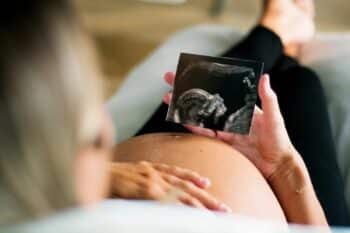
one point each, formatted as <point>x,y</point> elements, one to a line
<point>268,145</point>
<point>149,181</point>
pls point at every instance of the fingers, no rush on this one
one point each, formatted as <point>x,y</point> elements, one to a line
<point>196,194</point>
<point>269,99</point>
<point>188,200</point>
<point>226,136</point>
<point>167,98</point>
<point>184,174</point>
<point>149,181</point>
<point>201,131</point>
<point>169,77</point>
<point>133,181</point>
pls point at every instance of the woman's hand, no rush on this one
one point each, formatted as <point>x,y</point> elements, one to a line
<point>268,145</point>
<point>148,181</point>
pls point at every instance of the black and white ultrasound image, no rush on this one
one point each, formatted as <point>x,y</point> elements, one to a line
<point>215,92</point>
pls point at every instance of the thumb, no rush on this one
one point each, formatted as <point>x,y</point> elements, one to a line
<point>268,98</point>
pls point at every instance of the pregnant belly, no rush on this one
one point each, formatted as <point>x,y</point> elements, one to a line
<point>235,180</point>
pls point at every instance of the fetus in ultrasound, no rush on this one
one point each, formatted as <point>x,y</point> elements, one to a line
<point>197,106</point>
<point>215,93</point>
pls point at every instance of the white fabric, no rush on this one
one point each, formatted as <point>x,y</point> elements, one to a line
<point>147,217</point>
<point>141,94</point>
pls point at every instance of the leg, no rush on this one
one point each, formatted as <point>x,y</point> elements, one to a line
<point>283,22</point>
<point>303,107</point>
<point>249,48</point>
<point>261,44</point>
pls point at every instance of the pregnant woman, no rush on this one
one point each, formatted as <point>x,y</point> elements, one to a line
<point>56,142</point>
<point>286,168</point>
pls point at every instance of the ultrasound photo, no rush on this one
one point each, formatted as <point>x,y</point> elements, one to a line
<point>215,92</point>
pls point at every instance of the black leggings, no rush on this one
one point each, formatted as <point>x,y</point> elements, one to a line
<point>303,106</point>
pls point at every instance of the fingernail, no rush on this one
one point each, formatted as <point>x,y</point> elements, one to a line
<point>166,98</point>
<point>268,84</point>
<point>206,182</point>
<point>225,208</point>
<point>267,79</point>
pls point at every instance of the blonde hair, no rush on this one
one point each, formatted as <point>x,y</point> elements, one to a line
<point>46,104</point>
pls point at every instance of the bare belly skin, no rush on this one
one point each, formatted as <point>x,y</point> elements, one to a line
<point>235,180</point>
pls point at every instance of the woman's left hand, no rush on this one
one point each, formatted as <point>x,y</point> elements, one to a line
<point>161,182</point>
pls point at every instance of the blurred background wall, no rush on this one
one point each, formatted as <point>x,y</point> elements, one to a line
<point>126,31</point>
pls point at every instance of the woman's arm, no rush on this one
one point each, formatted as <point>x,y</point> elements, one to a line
<point>294,190</point>
<point>269,148</point>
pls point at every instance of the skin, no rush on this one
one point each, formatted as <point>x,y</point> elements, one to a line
<point>155,181</point>
<point>265,160</point>
<point>291,20</point>
<point>269,148</point>
<point>272,166</point>
<point>97,177</point>
<point>92,164</point>
<point>235,180</point>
